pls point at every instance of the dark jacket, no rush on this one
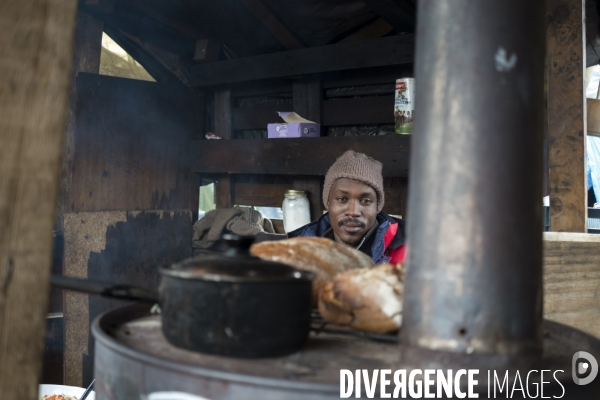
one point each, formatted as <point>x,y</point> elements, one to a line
<point>383,243</point>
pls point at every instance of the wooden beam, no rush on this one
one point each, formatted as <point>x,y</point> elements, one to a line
<point>566,116</point>
<point>101,6</point>
<point>304,156</point>
<point>394,50</point>
<point>36,49</point>
<point>228,22</point>
<point>359,111</point>
<point>370,76</point>
<point>375,29</point>
<point>171,61</point>
<point>175,24</point>
<point>308,99</point>
<point>260,194</point>
<point>308,102</point>
<point>400,14</point>
<point>86,58</point>
<point>314,192</point>
<point>224,195</point>
<point>206,50</point>
<point>136,49</point>
<point>273,24</point>
<point>365,110</point>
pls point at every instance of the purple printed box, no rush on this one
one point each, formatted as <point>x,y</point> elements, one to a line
<point>294,127</point>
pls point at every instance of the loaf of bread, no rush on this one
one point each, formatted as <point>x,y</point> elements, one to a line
<point>324,257</point>
<point>367,299</point>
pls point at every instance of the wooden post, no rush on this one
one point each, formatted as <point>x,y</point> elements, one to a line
<point>308,102</point>
<point>36,47</point>
<point>223,128</point>
<point>566,116</point>
<point>86,58</point>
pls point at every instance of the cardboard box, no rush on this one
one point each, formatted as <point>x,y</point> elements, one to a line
<point>294,127</point>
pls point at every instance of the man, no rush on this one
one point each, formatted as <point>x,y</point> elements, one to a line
<point>353,195</point>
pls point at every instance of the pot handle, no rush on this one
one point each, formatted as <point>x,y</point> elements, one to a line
<point>123,292</point>
<point>238,246</point>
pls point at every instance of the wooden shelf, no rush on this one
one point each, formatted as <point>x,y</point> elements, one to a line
<point>304,156</point>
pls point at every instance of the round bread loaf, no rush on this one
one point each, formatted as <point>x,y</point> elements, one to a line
<point>324,257</point>
<point>367,299</point>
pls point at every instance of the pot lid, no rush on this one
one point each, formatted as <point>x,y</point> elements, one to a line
<point>237,264</point>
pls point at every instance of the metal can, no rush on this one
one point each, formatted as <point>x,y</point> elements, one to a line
<point>404,105</point>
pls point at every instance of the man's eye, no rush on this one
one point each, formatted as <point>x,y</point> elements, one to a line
<point>341,199</point>
<point>367,201</point>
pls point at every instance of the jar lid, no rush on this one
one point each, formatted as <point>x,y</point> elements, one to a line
<point>296,192</point>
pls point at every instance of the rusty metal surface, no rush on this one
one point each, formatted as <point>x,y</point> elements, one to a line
<point>134,359</point>
<point>474,275</point>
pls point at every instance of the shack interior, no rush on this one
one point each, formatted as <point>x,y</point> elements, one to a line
<point>135,152</point>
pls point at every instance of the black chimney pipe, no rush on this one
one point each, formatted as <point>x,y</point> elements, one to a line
<point>474,278</point>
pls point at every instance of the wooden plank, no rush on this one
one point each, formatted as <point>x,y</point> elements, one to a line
<point>206,50</point>
<point>393,50</point>
<point>367,110</point>
<point>86,58</point>
<point>304,156</point>
<point>400,14</point>
<point>132,137</point>
<point>396,196</point>
<point>114,246</point>
<point>223,128</point>
<point>257,117</point>
<point>375,29</point>
<point>36,49</point>
<point>273,24</point>
<point>135,48</point>
<point>53,369</point>
<point>308,102</point>
<point>165,19</point>
<point>314,192</point>
<point>229,22</point>
<point>308,99</point>
<point>367,76</point>
<point>259,195</point>
<point>261,87</point>
<point>101,6</point>
<point>224,192</point>
<point>359,111</point>
<point>278,225</point>
<point>572,279</point>
<point>566,116</point>
<point>593,117</point>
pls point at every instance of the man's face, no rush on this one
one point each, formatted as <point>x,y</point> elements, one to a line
<point>352,210</point>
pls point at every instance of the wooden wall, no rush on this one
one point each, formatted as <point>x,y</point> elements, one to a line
<point>120,247</point>
<point>134,197</point>
<point>257,171</point>
<point>572,280</point>
<point>132,145</point>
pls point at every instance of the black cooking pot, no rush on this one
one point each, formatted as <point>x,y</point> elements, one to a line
<point>233,305</point>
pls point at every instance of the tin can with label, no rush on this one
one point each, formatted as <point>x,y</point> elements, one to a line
<point>404,106</point>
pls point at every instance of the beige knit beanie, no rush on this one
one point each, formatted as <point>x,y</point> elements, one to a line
<point>357,166</point>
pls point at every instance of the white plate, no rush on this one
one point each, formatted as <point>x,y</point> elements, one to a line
<point>66,390</point>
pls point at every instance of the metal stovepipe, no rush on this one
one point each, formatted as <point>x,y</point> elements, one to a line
<point>474,279</point>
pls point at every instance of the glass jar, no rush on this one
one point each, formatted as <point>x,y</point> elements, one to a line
<point>296,210</point>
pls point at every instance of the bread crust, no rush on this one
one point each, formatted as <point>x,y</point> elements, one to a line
<point>367,299</point>
<point>324,257</point>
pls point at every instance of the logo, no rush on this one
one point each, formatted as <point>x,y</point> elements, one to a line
<point>581,368</point>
